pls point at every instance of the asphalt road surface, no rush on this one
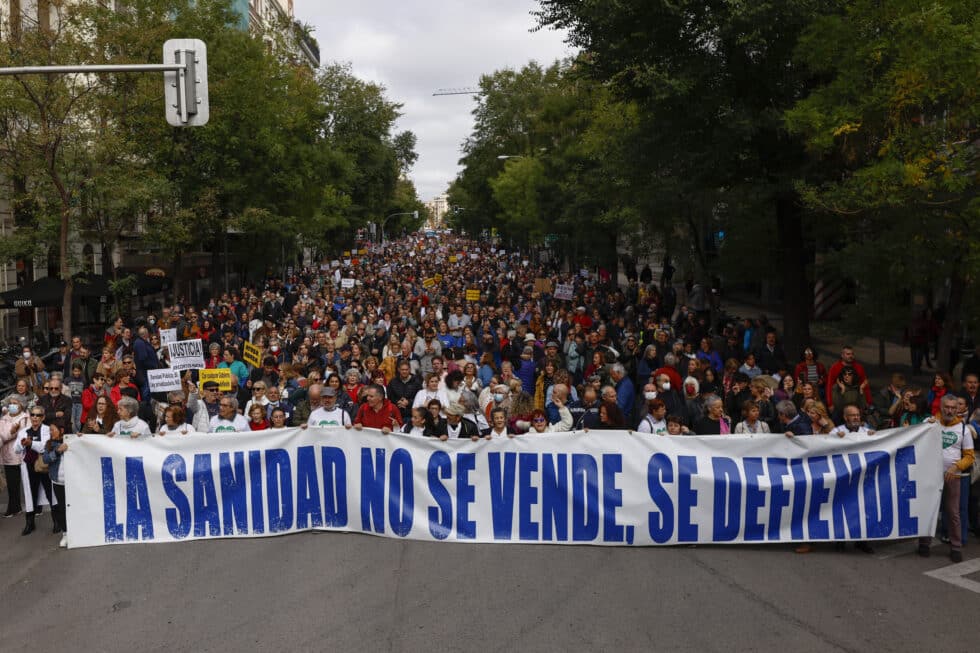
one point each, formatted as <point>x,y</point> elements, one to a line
<point>340,592</point>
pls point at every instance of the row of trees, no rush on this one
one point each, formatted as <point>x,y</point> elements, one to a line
<point>783,142</point>
<point>292,157</point>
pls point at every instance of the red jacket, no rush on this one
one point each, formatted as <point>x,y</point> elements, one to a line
<point>380,419</point>
<point>89,397</point>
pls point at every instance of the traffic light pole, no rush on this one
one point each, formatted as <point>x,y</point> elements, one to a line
<point>185,80</point>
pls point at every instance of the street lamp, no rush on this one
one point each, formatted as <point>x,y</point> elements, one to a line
<point>414,213</point>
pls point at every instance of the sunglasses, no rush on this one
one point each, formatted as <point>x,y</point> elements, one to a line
<point>46,388</point>
<point>537,420</point>
<point>37,414</point>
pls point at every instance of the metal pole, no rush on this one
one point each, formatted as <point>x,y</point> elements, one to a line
<point>115,68</point>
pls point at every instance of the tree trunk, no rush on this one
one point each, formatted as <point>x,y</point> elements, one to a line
<point>66,299</point>
<point>957,290</point>
<point>794,257</point>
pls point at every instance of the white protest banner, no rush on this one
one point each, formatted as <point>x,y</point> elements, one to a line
<point>186,355</point>
<point>564,291</point>
<point>346,283</point>
<point>619,489</point>
<point>335,263</point>
<point>584,273</point>
<point>167,336</point>
<point>163,380</point>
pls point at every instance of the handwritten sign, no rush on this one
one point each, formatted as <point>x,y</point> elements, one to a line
<point>167,336</point>
<point>252,355</point>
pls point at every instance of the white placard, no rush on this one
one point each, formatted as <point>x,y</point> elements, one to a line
<point>167,336</point>
<point>564,291</point>
<point>163,380</point>
<point>346,283</point>
<point>186,355</point>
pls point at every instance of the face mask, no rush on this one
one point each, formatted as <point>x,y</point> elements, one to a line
<point>13,409</point>
<point>498,397</point>
<point>667,385</point>
<point>151,322</point>
<point>650,395</point>
<point>27,355</point>
<point>204,313</point>
<point>274,348</point>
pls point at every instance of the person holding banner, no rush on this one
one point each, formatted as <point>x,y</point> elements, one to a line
<point>129,421</point>
<point>328,413</point>
<point>957,442</point>
<point>54,451</point>
<point>377,412</point>
<point>228,419</point>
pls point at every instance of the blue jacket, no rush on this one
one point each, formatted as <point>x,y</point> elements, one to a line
<point>626,397</point>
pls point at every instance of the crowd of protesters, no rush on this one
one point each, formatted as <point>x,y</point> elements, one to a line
<point>448,338</point>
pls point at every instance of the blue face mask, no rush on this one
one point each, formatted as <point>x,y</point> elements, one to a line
<point>13,409</point>
<point>498,397</point>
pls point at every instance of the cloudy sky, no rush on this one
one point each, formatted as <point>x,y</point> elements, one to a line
<point>415,47</point>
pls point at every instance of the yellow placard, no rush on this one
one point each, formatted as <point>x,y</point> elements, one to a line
<point>453,259</point>
<point>362,252</point>
<point>346,253</point>
<point>438,278</point>
<point>252,355</point>
<point>428,283</point>
<point>222,375</point>
<point>472,295</point>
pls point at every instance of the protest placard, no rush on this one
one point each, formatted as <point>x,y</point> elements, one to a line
<point>346,283</point>
<point>453,259</point>
<point>163,380</point>
<point>428,283</point>
<point>221,375</point>
<point>186,355</point>
<point>564,291</point>
<point>167,336</point>
<point>542,285</point>
<point>251,355</point>
<point>472,295</point>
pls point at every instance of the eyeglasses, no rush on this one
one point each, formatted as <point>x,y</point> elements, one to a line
<point>537,420</point>
<point>55,388</point>
<point>46,388</point>
<point>37,414</point>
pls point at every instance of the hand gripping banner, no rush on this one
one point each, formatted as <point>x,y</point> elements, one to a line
<point>602,487</point>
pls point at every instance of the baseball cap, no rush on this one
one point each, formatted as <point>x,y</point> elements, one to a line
<point>328,392</point>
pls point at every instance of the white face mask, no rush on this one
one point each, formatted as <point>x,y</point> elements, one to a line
<point>13,409</point>
<point>650,395</point>
<point>667,385</point>
<point>27,355</point>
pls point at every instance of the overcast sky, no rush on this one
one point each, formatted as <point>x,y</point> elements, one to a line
<point>417,46</point>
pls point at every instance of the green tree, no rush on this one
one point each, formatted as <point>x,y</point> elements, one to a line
<point>899,115</point>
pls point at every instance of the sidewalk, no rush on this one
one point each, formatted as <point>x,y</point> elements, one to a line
<point>827,339</point>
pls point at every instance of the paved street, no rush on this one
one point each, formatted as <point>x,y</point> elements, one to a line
<point>355,592</point>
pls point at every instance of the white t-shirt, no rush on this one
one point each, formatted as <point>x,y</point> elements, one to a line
<point>238,424</point>
<point>956,439</point>
<point>495,435</point>
<point>842,430</point>
<point>324,417</point>
<point>650,425</point>
<point>133,426</point>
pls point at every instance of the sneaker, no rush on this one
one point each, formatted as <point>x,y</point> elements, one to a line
<point>956,556</point>
<point>924,550</point>
<point>8,515</point>
<point>64,541</point>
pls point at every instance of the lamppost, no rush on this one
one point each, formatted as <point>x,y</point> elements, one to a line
<point>414,213</point>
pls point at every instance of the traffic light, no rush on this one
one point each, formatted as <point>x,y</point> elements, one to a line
<point>186,90</point>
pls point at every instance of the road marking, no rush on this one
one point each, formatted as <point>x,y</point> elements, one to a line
<point>954,574</point>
